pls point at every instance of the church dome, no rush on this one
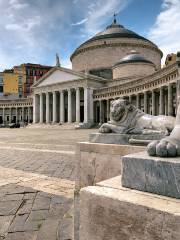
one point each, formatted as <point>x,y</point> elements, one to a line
<point>133,57</point>
<point>101,52</point>
<point>115,31</point>
<point>133,65</point>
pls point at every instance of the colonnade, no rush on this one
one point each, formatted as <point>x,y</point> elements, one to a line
<point>16,114</point>
<point>67,105</point>
<point>160,101</point>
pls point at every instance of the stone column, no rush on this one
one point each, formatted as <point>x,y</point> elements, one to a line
<point>10,115</point>
<point>35,108</point>
<point>4,115</point>
<point>153,103</point>
<point>22,114</point>
<point>100,111</point>
<point>145,103</point>
<point>69,106</point>
<point>54,108</point>
<point>47,107</point>
<point>77,105</point>
<point>170,100</point>
<point>28,114</point>
<point>62,106</point>
<point>130,98</point>
<point>41,108</point>
<point>88,106</point>
<point>16,114</point>
<point>138,101</point>
<point>108,109</point>
<point>161,101</point>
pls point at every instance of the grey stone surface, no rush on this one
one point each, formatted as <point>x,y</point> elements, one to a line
<point>152,174</point>
<point>123,139</point>
<point>111,212</point>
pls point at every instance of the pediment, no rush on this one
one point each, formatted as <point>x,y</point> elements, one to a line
<point>55,76</point>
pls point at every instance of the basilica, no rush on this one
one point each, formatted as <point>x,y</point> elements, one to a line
<point>114,63</point>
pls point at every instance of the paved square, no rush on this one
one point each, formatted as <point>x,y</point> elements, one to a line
<point>37,171</point>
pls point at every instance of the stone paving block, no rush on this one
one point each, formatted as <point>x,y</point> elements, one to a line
<point>26,207</point>
<point>22,236</point>
<point>18,223</point>
<point>41,203</point>
<point>38,215</point>
<point>59,209</point>
<point>43,194</point>
<point>33,225</point>
<point>60,200</point>
<point>29,196</point>
<point>12,197</point>
<point>9,207</point>
<point>49,229</point>
<point>5,222</point>
<point>65,230</point>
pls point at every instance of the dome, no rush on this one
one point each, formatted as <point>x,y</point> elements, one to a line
<point>133,65</point>
<point>115,31</point>
<point>101,52</point>
<point>133,57</point>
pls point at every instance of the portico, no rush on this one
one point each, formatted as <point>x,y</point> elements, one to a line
<point>63,96</point>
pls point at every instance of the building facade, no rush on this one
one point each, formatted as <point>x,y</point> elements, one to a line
<point>114,63</point>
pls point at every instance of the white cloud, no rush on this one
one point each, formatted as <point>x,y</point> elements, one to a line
<point>34,30</point>
<point>166,30</point>
<point>80,22</point>
<point>99,10</point>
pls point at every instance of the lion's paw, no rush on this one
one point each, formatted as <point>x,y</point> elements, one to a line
<point>104,129</point>
<point>162,148</point>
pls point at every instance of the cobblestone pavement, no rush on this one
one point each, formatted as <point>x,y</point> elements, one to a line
<point>37,171</point>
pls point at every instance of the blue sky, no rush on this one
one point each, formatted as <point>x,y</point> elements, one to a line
<point>34,30</point>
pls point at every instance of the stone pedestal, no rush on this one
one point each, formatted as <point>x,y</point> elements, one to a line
<point>96,162</point>
<point>124,139</point>
<point>152,174</point>
<point>109,211</point>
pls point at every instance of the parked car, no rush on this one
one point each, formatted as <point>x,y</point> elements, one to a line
<point>14,125</point>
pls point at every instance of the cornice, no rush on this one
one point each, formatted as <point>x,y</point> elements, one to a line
<point>122,44</point>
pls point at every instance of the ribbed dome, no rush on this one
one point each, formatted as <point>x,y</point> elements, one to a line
<point>134,56</point>
<point>115,31</point>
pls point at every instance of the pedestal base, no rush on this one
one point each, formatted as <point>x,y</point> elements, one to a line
<point>109,211</point>
<point>152,174</point>
<point>114,138</point>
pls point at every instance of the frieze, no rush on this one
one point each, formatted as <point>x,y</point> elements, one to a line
<point>78,51</point>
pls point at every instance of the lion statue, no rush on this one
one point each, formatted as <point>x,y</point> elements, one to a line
<point>125,118</point>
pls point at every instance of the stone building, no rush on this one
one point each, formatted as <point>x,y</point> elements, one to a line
<point>15,91</point>
<point>114,63</point>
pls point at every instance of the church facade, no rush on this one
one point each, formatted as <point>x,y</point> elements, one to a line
<point>114,63</point>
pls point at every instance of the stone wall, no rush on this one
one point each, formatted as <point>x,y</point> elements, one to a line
<point>106,55</point>
<point>132,69</point>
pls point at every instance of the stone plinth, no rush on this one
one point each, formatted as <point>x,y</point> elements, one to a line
<point>123,139</point>
<point>96,162</point>
<point>109,211</point>
<point>152,174</point>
